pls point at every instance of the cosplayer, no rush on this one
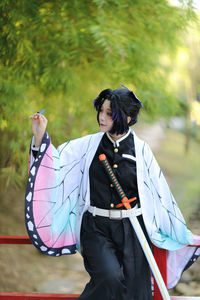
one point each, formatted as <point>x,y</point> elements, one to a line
<point>71,204</point>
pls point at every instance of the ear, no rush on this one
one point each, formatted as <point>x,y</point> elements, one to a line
<point>128,120</point>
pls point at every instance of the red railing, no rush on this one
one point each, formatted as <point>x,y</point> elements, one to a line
<point>26,296</point>
<point>36,296</point>
<point>159,254</point>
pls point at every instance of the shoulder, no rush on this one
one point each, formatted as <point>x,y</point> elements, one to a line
<point>141,146</point>
<point>90,138</point>
<point>82,143</point>
<point>138,141</point>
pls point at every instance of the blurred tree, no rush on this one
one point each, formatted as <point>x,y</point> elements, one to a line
<point>58,54</point>
<point>185,77</point>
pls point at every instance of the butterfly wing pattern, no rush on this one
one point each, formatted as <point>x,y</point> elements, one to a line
<point>50,214</point>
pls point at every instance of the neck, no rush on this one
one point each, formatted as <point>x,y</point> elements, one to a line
<point>116,137</point>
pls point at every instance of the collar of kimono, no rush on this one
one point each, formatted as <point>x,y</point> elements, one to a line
<point>117,142</point>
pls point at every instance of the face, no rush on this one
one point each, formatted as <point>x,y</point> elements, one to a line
<point>105,117</point>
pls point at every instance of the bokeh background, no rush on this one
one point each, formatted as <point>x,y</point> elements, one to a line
<point>58,56</point>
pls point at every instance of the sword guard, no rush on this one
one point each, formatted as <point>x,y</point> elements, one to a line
<point>126,202</point>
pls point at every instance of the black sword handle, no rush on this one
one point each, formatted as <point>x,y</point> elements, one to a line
<point>124,199</point>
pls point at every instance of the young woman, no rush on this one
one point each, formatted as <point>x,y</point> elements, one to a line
<point>72,204</point>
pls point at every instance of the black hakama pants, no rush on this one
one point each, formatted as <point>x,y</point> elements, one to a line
<point>114,260</point>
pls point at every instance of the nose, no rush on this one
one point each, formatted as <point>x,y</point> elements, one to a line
<point>101,117</point>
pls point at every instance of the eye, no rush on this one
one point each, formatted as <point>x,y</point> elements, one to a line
<point>109,114</point>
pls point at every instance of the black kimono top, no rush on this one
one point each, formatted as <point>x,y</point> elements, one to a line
<point>121,156</point>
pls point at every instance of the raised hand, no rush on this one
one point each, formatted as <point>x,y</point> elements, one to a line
<point>39,124</point>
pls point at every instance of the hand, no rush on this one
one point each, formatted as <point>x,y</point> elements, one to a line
<point>39,124</point>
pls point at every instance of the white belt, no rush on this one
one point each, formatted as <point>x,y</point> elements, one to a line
<point>116,214</point>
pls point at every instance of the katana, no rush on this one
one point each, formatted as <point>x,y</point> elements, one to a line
<point>138,230</point>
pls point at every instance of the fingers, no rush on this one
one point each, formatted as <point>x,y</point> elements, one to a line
<point>34,116</point>
<point>38,116</point>
<point>43,119</point>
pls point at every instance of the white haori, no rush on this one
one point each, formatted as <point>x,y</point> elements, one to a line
<point>163,220</point>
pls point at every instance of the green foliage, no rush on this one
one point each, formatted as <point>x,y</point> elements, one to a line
<point>59,55</point>
<point>183,170</point>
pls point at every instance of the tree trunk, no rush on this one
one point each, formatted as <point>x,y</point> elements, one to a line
<point>190,92</point>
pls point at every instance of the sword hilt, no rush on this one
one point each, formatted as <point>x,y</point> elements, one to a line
<point>129,201</point>
<point>124,199</point>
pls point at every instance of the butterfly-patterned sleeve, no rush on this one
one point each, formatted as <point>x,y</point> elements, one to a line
<point>50,202</point>
<point>166,225</point>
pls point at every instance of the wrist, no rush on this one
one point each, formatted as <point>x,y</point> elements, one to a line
<point>34,148</point>
<point>37,141</point>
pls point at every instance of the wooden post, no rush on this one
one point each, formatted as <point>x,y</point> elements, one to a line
<point>161,260</point>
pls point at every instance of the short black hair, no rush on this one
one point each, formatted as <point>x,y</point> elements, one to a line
<point>123,104</point>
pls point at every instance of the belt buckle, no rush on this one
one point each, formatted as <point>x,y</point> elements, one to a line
<point>115,218</point>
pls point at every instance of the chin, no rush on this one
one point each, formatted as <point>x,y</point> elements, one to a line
<point>102,129</point>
